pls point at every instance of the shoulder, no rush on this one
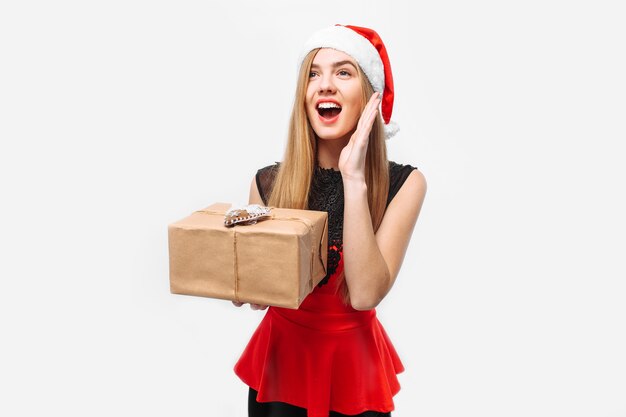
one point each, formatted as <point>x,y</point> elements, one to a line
<point>393,165</point>
<point>405,176</point>
<point>267,174</point>
<point>402,211</point>
<point>269,170</point>
<point>264,180</point>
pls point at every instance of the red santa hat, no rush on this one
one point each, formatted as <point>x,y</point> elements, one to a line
<point>368,49</point>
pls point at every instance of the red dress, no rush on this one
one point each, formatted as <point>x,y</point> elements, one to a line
<point>325,355</point>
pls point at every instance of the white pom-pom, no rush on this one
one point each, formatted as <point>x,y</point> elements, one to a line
<point>391,129</point>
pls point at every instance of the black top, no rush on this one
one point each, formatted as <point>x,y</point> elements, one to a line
<point>326,194</point>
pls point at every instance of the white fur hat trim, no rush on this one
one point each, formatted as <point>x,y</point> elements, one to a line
<point>348,41</point>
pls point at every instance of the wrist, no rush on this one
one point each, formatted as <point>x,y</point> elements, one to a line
<point>354,184</point>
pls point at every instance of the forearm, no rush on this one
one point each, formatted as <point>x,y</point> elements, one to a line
<point>366,272</point>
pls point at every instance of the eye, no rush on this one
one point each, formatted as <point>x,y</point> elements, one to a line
<point>312,74</point>
<point>344,73</point>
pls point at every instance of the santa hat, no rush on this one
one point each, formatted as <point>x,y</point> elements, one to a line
<point>368,49</point>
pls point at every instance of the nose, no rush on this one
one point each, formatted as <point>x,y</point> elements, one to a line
<point>326,84</point>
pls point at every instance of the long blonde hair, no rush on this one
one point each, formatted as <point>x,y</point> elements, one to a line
<point>293,180</point>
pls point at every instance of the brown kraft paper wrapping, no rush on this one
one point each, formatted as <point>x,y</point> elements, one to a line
<point>277,261</point>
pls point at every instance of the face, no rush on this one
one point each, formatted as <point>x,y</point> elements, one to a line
<point>334,96</point>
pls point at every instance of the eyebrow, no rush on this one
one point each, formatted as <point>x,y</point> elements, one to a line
<point>336,64</point>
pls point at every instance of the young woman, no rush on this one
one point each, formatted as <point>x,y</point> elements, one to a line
<point>332,355</point>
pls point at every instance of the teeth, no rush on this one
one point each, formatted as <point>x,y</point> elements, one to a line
<point>328,105</point>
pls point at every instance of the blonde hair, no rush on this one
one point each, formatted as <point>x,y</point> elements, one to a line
<point>293,180</point>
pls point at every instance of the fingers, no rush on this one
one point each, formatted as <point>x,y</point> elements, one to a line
<point>352,158</point>
<point>252,305</point>
<point>366,121</point>
<point>369,112</point>
<point>372,108</point>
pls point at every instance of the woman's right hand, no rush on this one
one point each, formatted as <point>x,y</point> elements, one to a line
<point>252,305</point>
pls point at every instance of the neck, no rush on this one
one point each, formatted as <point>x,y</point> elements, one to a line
<point>328,151</point>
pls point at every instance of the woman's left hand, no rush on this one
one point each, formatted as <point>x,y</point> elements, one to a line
<point>352,157</point>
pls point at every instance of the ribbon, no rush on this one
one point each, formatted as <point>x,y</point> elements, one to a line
<point>304,221</point>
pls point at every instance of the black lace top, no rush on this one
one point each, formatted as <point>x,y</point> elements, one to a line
<point>327,195</point>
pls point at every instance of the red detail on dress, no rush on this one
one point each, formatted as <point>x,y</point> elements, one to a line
<point>323,356</point>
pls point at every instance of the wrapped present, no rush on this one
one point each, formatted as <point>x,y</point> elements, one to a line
<point>271,257</point>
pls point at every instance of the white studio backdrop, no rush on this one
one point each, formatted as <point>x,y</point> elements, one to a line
<point>120,117</point>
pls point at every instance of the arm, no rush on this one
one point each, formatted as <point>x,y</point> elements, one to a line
<point>372,261</point>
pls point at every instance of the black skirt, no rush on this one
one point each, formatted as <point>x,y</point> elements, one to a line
<point>277,409</point>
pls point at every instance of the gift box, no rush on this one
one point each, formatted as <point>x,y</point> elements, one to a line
<point>276,261</point>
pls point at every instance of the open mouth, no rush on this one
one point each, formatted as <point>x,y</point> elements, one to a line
<point>328,110</point>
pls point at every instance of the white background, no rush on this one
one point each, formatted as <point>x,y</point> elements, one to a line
<point>120,117</point>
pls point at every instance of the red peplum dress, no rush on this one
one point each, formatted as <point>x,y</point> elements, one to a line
<point>325,355</point>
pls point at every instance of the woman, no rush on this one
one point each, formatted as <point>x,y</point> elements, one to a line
<point>332,355</point>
